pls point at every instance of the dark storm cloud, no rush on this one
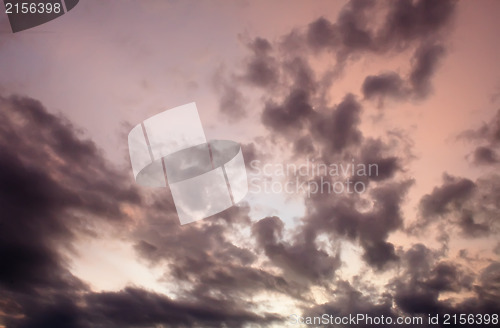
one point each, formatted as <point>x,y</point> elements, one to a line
<point>232,103</point>
<point>351,301</point>
<point>205,257</point>
<point>489,131</point>
<point>282,67</point>
<point>412,20</point>
<point>426,277</point>
<point>261,69</point>
<point>339,218</point>
<point>418,84</point>
<point>472,207</point>
<point>301,257</point>
<point>283,70</point>
<point>470,227</point>
<point>488,138</point>
<point>56,185</point>
<point>450,195</point>
<point>304,146</point>
<point>290,116</point>
<point>426,59</point>
<point>339,129</point>
<point>385,85</point>
<point>134,307</point>
<point>330,132</point>
<point>496,250</point>
<point>419,289</point>
<point>485,155</point>
<point>47,174</point>
<point>300,75</point>
<point>406,23</point>
<point>375,151</point>
<point>298,114</point>
<point>345,36</point>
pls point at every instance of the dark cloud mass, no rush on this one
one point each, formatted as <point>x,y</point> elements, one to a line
<point>386,84</point>
<point>419,26</point>
<point>488,138</point>
<point>55,186</point>
<point>231,269</point>
<point>450,195</point>
<point>485,155</point>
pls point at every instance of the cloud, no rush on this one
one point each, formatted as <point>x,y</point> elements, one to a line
<point>469,206</point>
<point>261,69</point>
<point>488,138</point>
<point>301,257</point>
<point>339,129</point>
<point>347,35</point>
<point>340,218</point>
<point>363,28</point>
<point>136,307</point>
<point>350,301</point>
<point>426,58</point>
<point>412,20</point>
<point>225,270</point>
<point>290,116</point>
<point>426,278</point>
<point>385,84</point>
<point>489,131</point>
<point>231,99</point>
<point>53,185</point>
<point>57,186</point>
<point>451,194</point>
<point>484,155</point>
<point>417,85</point>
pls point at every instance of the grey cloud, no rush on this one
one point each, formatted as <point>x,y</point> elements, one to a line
<point>43,188</point>
<point>347,35</point>
<point>261,69</point>
<point>488,138</point>
<point>426,59</point>
<point>470,227</point>
<point>339,129</point>
<point>304,145</point>
<point>409,20</point>
<point>383,85</point>
<point>48,174</point>
<point>301,257</point>
<point>469,206</point>
<point>290,116</point>
<point>420,289</point>
<point>139,308</point>
<point>232,102</point>
<point>339,218</point>
<point>485,155</point>
<point>489,131</point>
<point>350,301</point>
<point>451,194</point>
<point>374,151</point>
<point>418,84</point>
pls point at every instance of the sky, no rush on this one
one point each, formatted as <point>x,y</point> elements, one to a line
<point>412,87</point>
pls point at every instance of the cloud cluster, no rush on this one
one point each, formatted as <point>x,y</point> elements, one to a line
<point>57,186</point>
<point>488,138</point>
<point>228,270</point>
